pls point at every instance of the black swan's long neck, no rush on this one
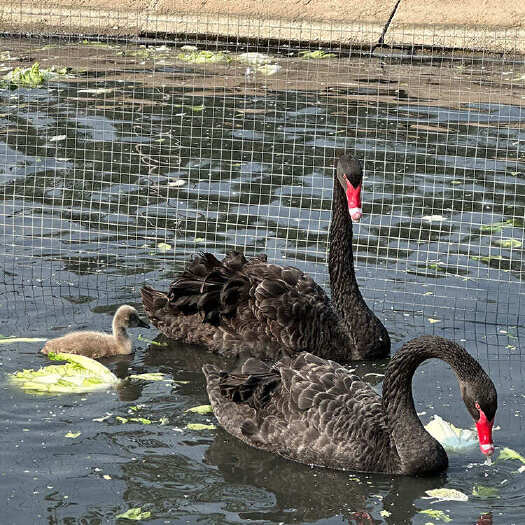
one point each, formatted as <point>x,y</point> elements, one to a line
<point>341,258</point>
<point>418,451</point>
<point>363,329</point>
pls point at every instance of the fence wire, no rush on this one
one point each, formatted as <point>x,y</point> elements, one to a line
<point>125,156</point>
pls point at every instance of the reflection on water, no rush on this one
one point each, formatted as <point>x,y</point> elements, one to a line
<point>141,150</point>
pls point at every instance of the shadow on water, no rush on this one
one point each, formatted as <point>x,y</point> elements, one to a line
<point>113,177</point>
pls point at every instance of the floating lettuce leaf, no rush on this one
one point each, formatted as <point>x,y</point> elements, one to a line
<point>150,341</point>
<point>134,514</point>
<point>152,376</point>
<point>482,492</point>
<point>199,426</point>
<point>254,58</point>
<point>7,340</point>
<point>508,453</point>
<point>452,439</point>
<point>203,57</point>
<point>32,77</point>
<point>508,243</point>
<point>447,494</point>
<point>80,374</point>
<point>163,247</point>
<point>436,514</point>
<point>201,409</point>
<point>316,54</point>
<point>496,227</point>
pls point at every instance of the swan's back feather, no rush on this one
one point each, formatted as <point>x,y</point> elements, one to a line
<point>246,303</point>
<point>308,410</point>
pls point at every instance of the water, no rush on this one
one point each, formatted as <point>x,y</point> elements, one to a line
<point>90,192</point>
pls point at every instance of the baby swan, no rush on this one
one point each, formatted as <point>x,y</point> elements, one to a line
<point>98,344</point>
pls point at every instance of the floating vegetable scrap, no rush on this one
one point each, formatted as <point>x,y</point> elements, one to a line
<point>5,340</point>
<point>201,409</point>
<point>193,55</point>
<point>151,342</point>
<point>80,374</point>
<point>134,514</point>
<point>314,55</point>
<point>452,439</point>
<point>32,77</point>
<point>447,495</point>
<point>482,492</point>
<point>200,426</point>
<point>436,514</point>
<point>508,453</point>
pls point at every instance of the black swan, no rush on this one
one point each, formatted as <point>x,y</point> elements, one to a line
<point>270,310</point>
<point>316,412</point>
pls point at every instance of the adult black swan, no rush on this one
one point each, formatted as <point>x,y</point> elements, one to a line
<point>270,310</point>
<point>316,412</point>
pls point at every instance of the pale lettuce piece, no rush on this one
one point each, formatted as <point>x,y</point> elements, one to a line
<point>80,374</point>
<point>482,492</point>
<point>508,453</point>
<point>452,439</point>
<point>201,409</point>
<point>436,514</point>
<point>200,426</point>
<point>134,514</point>
<point>7,340</point>
<point>254,58</point>
<point>152,376</point>
<point>447,494</point>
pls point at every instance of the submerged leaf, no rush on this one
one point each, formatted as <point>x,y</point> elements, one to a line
<point>447,494</point>
<point>73,435</point>
<point>508,453</point>
<point>480,491</point>
<point>134,514</point>
<point>436,514</point>
<point>199,426</point>
<point>201,409</point>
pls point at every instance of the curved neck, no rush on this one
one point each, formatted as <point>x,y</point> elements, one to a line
<point>121,336</point>
<point>418,451</point>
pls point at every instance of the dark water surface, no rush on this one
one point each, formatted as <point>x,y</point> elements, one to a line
<point>139,150</point>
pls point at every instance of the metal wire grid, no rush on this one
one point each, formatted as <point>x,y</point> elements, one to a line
<point>262,149</point>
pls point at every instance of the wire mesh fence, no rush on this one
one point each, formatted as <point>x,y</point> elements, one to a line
<point>121,157</point>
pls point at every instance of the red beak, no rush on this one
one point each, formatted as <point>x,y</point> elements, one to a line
<point>484,427</point>
<point>353,197</point>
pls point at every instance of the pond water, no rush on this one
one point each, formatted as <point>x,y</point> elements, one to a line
<point>114,173</point>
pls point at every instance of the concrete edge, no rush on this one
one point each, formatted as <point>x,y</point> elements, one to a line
<point>70,20</point>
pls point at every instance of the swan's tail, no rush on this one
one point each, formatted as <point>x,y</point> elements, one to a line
<point>211,287</point>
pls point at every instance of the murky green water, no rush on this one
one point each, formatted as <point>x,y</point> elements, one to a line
<point>138,150</point>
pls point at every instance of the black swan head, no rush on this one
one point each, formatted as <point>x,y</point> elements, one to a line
<point>350,176</point>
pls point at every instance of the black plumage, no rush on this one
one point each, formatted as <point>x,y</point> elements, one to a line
<point>271,310</point>
<point>317,412</point>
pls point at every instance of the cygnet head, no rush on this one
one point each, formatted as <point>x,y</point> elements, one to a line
<point>127,316</point>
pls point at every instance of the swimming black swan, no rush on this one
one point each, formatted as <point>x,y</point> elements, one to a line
<point>316,412</point>
<point>271,310</point>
